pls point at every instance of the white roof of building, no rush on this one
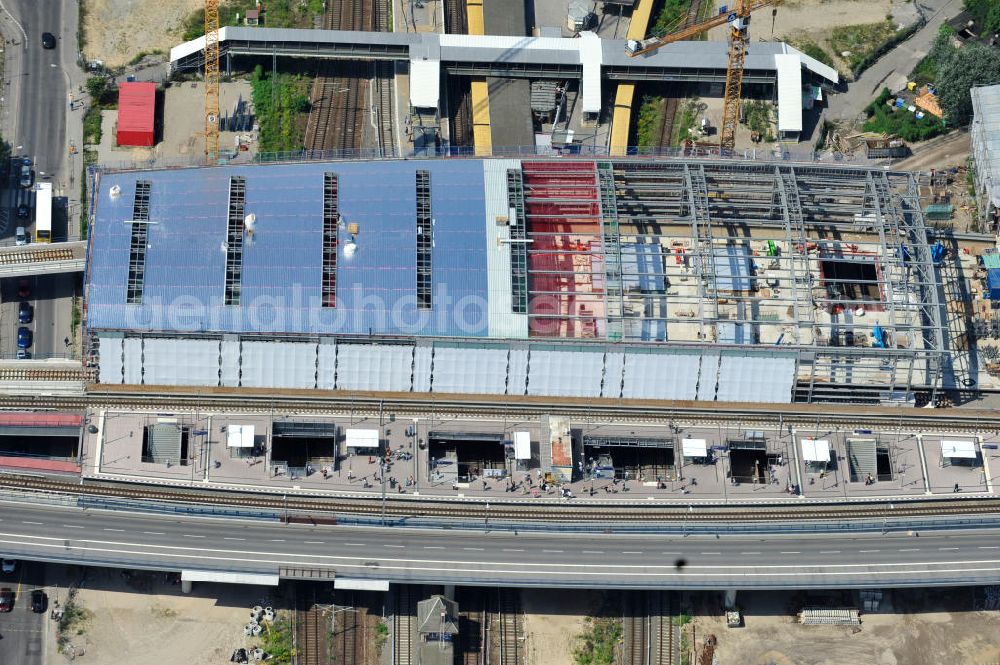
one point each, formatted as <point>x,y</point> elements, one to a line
<point>958,449</point>
<point>240,436</point>
<point>694,448</point>
<point>789,66</point>
<point>362,438</point>
<point>815,450</point>
<point>425,82</point>
<point>591,56</point>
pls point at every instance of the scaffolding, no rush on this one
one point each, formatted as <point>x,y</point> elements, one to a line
<point>831,263</point>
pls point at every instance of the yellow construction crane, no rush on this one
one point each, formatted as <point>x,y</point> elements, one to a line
<point>211,81</point>
<point>738,20</point>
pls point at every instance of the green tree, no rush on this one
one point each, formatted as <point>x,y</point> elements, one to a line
<point>972,65</point>
<point>97,86</point>
<point>986,14</point>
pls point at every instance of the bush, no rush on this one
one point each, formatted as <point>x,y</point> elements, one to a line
<point>862,41</point>
<point>650,122</point>
<point>900,122</point>
<point>671,16</point>
<point>970,66</point>
<point>986,13</point>
<point>279,14</point>
<point>599,641</point>
<point>814,50</point>
<point>92,124</point>
<point>279,111</point>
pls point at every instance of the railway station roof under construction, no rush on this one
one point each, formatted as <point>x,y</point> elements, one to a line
<point>622,278</point>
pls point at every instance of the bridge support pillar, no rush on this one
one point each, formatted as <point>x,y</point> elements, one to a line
<point>186,586</point>
<point>729,602</point>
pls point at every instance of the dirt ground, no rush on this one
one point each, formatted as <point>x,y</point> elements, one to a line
<point>116,30</point>
<point>552,620</point>
<point>912,628</point>
<point>155,623</point>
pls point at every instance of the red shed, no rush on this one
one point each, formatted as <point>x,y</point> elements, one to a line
<point>136,108</point>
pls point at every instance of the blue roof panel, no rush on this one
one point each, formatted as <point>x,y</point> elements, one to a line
<point>282,262</point>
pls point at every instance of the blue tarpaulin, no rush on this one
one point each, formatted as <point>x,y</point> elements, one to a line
<point>993,283</point>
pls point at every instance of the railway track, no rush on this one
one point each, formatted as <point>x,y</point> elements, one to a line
<point>635,629</point>
<point>664,640</point>
<point>671,104</point>
<point>529,510</point>
<point>455,17</point>
<point>509,622</point>
<point>35,255</point>
<point>348,633</point>
<point>402,623</point>
<point>310,630</point>
<point>471,625</point>
<point>583,410</point>
<point>382,96</point>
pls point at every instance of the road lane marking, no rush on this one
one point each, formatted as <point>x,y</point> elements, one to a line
<point>513,550</point>
<point>277,540</point>
<point>829,551</point>
<point>553,551</point>
<point>942,549</point>
<point>989,547</point>
<point>790,552</point>
<point>631,552</point>
<point>228,538</point>
<point>473,549</point>
<point>154,533</point>
<point>869,551</point>
<point>433,547</point>
<point>910,549</point>
<point>27,522</point>
<point>313,542</point>
<point>749,552</point>
<point>191,535</point>
<point>591,552</point>
<point>712,553</point>
<point>355,544</point>
<point>398,547</point>
<point>73,526</point>
<point>120,530</point>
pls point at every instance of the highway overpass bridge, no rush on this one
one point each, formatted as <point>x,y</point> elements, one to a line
<point>263,547</point>
<point>47,259</point>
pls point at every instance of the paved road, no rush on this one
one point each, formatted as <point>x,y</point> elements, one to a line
<point>414,555</point>
<point>22,631</point>
<point>894,66</point>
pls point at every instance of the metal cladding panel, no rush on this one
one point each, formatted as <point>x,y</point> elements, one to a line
<point>789,67</point>
<point>470,370</point>
<point>111,359</point>
<point>230,353</point>
<point>708,376</point>
<point>659,375</point>
<point>614,369</point>
<point>591,57</point>
<point>732,268</point>
<point>565,373</point>
<point>132,360</point>
<point>422,360</point>
<point>503,322</point>
<point>278,365</point>
<point>756,378</point>
<point>185,261</point>
<point>326,367</point>
<point>172,362</point>
<point>374,367</point>
<point>517,371</point>
<point>642,267</point>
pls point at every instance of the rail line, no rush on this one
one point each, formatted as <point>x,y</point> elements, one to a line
<point>508,611</point>
<point>664,643</point>
<point>635,629</point>
<point>529,510</point>
<point>585,410</point>
<point>310,630</point>
<point>382,97</point>
<point>402,623</point>
<point>471,625</point>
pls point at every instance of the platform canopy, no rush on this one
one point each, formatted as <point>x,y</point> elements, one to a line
<point>240,436</point>
<point>522,445</point>
<point>362,438</point>
<point>815,450</point>
<point>958,449</point>
<point>694,448</point>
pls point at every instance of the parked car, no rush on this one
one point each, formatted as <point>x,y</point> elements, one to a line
<point>23,338</point>
<point>26,175</point>
<point>23,354</point>
<point>25,312</point>
<point>20,236</point>
<point>23,211</point>
<point>39,601</point>
<point>23,290</point>
<point>6,600</point>
<point>48,40</point>
<point>8,566</point>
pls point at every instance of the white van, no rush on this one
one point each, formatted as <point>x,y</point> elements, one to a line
<point>20,237</point>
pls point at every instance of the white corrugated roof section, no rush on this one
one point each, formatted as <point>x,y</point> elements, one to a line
<point>425,81</point>
<point>814,65</point>
<point>815,450</point>
<point>503,322</point>
<point>958,449</point>
<point>591,56</point>
<point>789,66</point>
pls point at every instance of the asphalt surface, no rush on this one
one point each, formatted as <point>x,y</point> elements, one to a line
<point>592,560</point>
<point>22,632</point>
